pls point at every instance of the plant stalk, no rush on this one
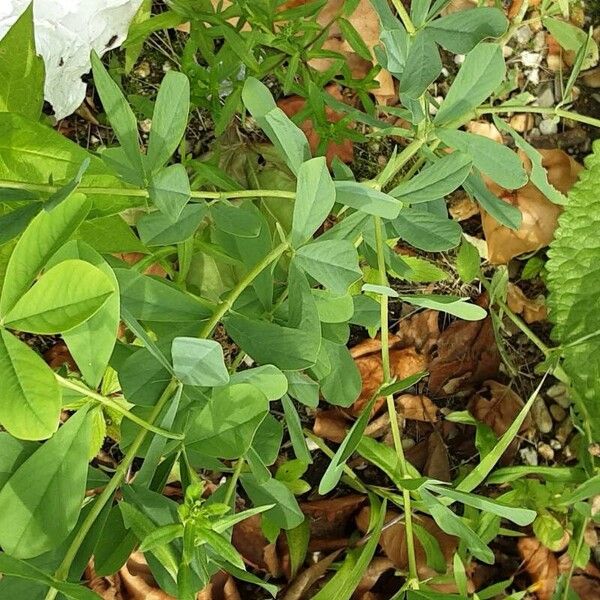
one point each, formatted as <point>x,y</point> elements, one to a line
<point>404,17</point>
<point>230,494</point>
<point>235,293</point>
<point>117,479</point>
<point>391,407</point>
<point>400,161</point>
<point>540,110</point>
<point>110,403</point>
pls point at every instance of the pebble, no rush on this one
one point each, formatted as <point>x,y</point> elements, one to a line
<point>531,59</point>
<point>558,412</point>
<point>546,451</point>
<point>407,443</point>
<point>507,51</point>
<point>555,444</point>
<point>592,78</point>
<point>167,66</point>
<point>541,416</point>
<point>539,41</point>
<point>548,127</point>
<point>564,430</point>
<point>546,98</point>
<point>529,456</point>
<point>560,394</point>
<point>523,34</point>
<point>146,125</point>
<point>459,59</point>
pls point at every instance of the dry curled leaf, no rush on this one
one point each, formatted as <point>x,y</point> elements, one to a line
<point>343,150</point>
<point>329,518</point>
<point>531,310</point>
<point>59,355</point>
<point>539,215</point>
<point>331,425</point>
<point>498,407</point>
<point>300,587</point>
<point>131,258</point>
<point>541,564</point>
<point>378,566</point>
<point>417,408</point>
<point>254,547</point>
<point>221,587</point>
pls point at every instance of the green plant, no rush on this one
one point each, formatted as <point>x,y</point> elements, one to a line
<point>249,263</point>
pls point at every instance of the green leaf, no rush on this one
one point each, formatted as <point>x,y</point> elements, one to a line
<point>169,120</point>
<point>575,291</point>
<point>427,230</point>
<point>467,262</point>
<point>13,453</point>
<point>354,38</point>
<point>297,541</point>
<point>504,212</point>
<point>224,428</point>
<point>267,378</point>
<point>285,512</point>
<point>12,567</point>
<point>481,73</point>
<point>163,535</point>
<point>65,296</point>
<point>199,362</point>
<point>343,584</point>
<point>257,98</point>
<point>13,223</point>
<point>437,181</point>
<point>91,343</point>
<point>157,229</point>
<point>302,388</point>
<point>30,406</point>
<point>459,32</point>
<point>170,191</point>
<point>224,548</point>
<point>423,65</point>
<point>44,236</point>
<point>496,160</point>
<point>366,199</point>
<point>109,234</point>
<point>315,197</point>
<point>342,385</point>
<point>458,307</point>
<point>452,524</point>
<point>334,263</point>
<point>571,38</point>
<point>335,469</point>
<point>21,69</point>
<point>119,114</point>
<point>294,425</point>
<point>66,190</point>
<point>40,503</point>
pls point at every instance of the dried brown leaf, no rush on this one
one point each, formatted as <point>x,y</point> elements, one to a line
<point>305,580</point>
<point>417,408</point>
<point>531,310</point>
<point>331,425</point>
<point>254,547</point>
<point>329,518</point>
<point>541,564</point>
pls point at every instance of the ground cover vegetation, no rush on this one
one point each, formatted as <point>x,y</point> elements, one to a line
<point>303,303</point>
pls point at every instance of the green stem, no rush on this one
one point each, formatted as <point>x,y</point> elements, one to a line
<point>541,110</point>
<point>114,405</point>
<point>404,16</point>
<point>115,482</point>
<point>230,494</point>
<point>391,407</point>
<point>142,193</point>
<point>580,541</point>
<point>399,162</point>
<point>234,294</point>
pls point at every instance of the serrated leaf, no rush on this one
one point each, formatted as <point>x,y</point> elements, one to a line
<point>574,284</point>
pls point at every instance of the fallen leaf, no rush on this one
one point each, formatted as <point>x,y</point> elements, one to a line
<point>420,331</point>
<point>378,566</point>
<point>254,547</point>
<point>531,310</point>
<point>541,564</point>
<point>437,465</point>
<point>131,258</point>
<point>498,409</point>
<point>393,543</point>
<point>540,215</point>
<point>59,355</point>
<point>466,355</point>
<point>331,425</point>
<point>329,518</point>
<point>462,207</point>
<point>299,588</point>
<point>417,408</point>
<point>221,587</point>
<point>343,150</point>
<point>486,129</point>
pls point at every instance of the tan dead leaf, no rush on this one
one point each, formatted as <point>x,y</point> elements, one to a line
<point>343,150</point>
<point>393,542</point>
<point>540,215</point>
<point>417,408</point>
<point>462,207</point>
<point>541,564</point>
<point>419,331</point>
<point>498,408</point>
<point>466,355</point>
<point>485,129</point>
<point>329,518</point>
<point>254,547</point>
<point>300,587</point>
<point>59,355</point>
<point>221,587</point>
<point>378,566</point>
<point>437,465</point>
<point>531,310</point>
<point>331,424</point>
<point>131,258</point>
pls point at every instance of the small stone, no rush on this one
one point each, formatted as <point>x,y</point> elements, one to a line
<point>594,449</point>
<point>523,34</point>
<point>560,394</point>
<point>554,62</point>
<point>563,431</point>
<point>539,41</point>
<point>546,98</point>
<point>541,416</point>
<point>555,444</point>
<point>529,456</point>
<point>507,51</point>
<point>592,78</point>
<point>531,59</point>
<point>533,76</point>
<point>143,70</point>
<point>459,59</point>
<point>546,451</point>
<point>445,72</point>
<point>146,125</point>
<point>167,66</point>
<point>548,127</point>
<point>558,412</point>
<point>407,443</point>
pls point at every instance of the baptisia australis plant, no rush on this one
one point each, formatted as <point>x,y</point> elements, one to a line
<point>273,281</point>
